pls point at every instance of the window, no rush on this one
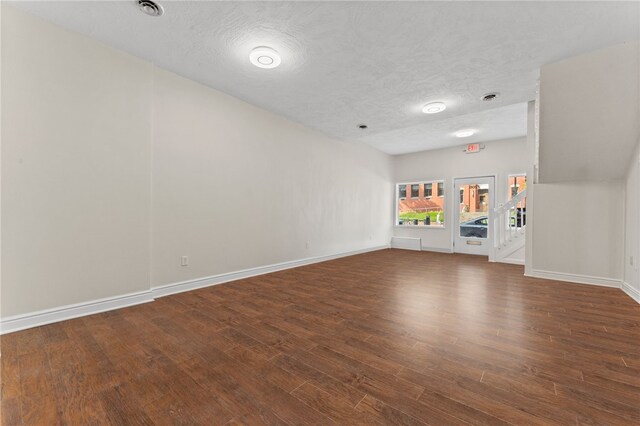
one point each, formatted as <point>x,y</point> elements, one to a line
<point>421,208</point>
<point>427,190</point>
<point>516,184</point>
<point>415,190</point>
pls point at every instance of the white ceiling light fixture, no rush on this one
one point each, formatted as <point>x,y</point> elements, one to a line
<point>434,107</point>
<point>265,57</point>
<point>465,133</point>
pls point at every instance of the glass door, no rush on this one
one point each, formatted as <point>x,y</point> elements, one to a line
<point>473,215</point>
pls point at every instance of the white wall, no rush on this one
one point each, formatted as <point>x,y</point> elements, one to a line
<point>589,123</point>
<point>578,230</point>
<point>237,187</point>
<point>99,148</point>
<point>531,147</point>
<point>500,158</point>
<point>0,162</point>
<point>76,169</point>
<point>632,223</point>
<point>589,109</point>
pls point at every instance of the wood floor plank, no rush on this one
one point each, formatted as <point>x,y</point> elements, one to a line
<point>386,414</point>
<point>10,383</point>
<point>11,411</point>
<point>391,337</point>
<point>319,379</point>
<point>39,410</point>
<point>121,406</point>
<point>340,411</point>
<point>73,390</point>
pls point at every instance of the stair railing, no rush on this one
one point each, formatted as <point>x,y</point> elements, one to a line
<point>510,220</point>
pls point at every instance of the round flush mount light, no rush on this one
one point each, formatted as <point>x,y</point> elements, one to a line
<point>434,108</point>
<point>490,96</point>
<point>265,57</point>
<point>465,133</point>
<point>150,8</point>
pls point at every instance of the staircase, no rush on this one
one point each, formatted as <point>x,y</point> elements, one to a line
<point>509,225</point>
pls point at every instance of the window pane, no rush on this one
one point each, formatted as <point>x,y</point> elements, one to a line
<point>420,208</point>
<point>517,184</point>
<point>427,189</point>
<point>440,189</point>
<point>474,209</point>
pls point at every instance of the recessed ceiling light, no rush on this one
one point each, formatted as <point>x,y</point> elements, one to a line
<point>265,57</point>
<point>465,133</point>
<point>434,108</point>
<point>150,7</point>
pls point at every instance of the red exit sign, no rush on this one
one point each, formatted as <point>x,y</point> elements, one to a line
<point>473,147</point>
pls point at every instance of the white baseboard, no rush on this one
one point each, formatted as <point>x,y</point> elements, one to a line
<point>183,286</point>
<point>510,261</point>
<point>632,292</point>
<point>35,319</point>
<point>437,249</point>
<point>48,316</point>
<point>580,279</point>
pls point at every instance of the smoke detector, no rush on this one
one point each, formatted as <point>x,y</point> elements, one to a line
<point>150,8</point>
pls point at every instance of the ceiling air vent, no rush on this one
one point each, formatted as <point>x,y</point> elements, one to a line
<point>150,7</point>
<point>490,96</point>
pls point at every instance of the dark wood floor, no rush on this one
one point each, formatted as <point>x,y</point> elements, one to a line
<point>390,337</point>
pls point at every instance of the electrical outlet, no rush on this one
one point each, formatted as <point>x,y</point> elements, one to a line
<point>631,260</point>
<point>184,261</point>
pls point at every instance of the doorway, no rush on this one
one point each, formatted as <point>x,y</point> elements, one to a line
<point>473,214</point>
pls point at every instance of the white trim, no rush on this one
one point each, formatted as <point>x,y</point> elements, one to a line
<point>632,292</point>
<point>438,249</point>
<point>574,278</point>
<point>48,316</point>
<point>420,227</point>
<point>165,290</point>
<point>508,260</point>
<point>35,319</point>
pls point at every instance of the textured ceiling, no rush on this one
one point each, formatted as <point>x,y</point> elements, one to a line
<point>346,63</point>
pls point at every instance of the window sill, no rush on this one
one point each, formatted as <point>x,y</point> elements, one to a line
<point>419,227</point>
